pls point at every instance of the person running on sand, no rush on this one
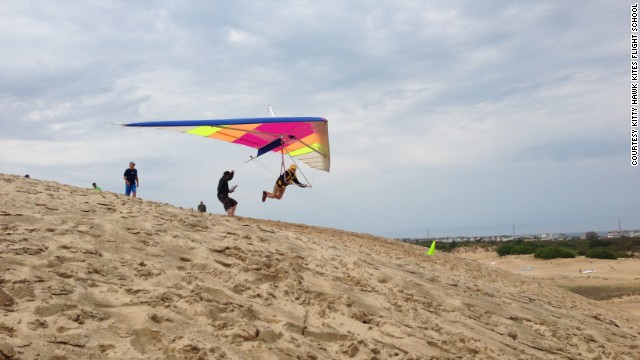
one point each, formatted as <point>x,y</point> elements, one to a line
<point>96,187</point>
<point>287,178</point>
<point>131,180</point>
<point>223,193</point>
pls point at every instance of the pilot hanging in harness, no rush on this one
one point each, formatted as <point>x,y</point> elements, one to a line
<point>286,178</point>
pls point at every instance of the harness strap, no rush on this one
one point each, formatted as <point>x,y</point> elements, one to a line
<point>283,169</point>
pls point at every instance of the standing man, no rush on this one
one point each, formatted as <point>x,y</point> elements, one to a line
<point>223,193</point>
<point>131,180</point>
<point>202,207</point>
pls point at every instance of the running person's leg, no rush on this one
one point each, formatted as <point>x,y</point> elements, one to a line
<point>276,194</point>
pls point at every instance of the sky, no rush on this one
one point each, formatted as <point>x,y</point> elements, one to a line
<point>446,118</point>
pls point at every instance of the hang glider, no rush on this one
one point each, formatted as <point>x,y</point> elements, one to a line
<point>303,138</point>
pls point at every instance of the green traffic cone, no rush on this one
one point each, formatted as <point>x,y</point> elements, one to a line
<point>432,249</point>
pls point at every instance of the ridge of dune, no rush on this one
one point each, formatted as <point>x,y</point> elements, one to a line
<point>96,275</point>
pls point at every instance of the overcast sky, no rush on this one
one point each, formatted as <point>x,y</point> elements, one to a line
<point>445,117</point>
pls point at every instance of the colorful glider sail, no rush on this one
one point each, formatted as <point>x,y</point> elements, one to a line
<point>304,138</point>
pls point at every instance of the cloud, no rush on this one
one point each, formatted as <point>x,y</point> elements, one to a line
<point>416,92</point>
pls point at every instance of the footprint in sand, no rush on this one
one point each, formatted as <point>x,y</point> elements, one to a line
<point>145,340</point>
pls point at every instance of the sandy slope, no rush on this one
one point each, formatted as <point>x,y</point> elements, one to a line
<point>579,271</point>
<point>88,275</point>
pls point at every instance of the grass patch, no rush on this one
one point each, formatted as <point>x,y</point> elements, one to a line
<point>604,292</point>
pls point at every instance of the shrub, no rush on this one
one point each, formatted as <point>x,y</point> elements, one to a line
<point>503,250</point>
<point>601,253</point>
<point>521,250</point>
<point>554,252</point>
<point>596,243</point>
<point>517,248</point>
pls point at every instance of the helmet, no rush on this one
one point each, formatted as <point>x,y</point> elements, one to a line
<point>293,167</point>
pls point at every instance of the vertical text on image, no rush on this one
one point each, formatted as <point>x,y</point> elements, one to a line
<point>634,17</point>
<point>634,147</point>
<point>634,85</point>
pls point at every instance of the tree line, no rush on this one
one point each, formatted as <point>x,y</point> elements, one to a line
<point>591,247</point>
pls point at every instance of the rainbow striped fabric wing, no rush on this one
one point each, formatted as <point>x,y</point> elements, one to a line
<point>304,138</point>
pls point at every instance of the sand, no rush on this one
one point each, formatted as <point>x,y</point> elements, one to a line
<point>570,273</point>
<point>96,275</point>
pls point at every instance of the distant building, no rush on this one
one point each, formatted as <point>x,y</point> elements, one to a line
<point>549,236</point>
<point>615,234</point>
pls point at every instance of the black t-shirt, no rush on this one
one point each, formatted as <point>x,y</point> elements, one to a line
<point>223,184</point>
<point>131,175</point>
<point>287,177</point>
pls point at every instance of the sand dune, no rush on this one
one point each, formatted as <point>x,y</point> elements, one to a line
<point>576,272</point>
<point>95,275</point>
